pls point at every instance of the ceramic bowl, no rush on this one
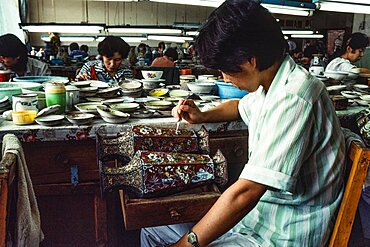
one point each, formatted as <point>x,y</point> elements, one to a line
<point>48,110</point>
<point>89,107</point>
<point>50,120</point>
<point>118,100</point>
<point>80,84</point>
<point>132,86</point>
<point>112,116</point>
<point>125,107</point>
<point>202,87</point>
<point>98,84</point>
<point>108,92</point>
<point>152,84</point>
<point>80,118</point>
<point>336,75</point>
<point>158,105</point>
<point>158,92</point>
<point>143,114</point>
<point>147,74</point>
<point>365,97</point>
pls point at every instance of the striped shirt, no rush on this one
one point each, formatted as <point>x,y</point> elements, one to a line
<point>97,67</point>
<point>296,149</point>
<point>340,64</point>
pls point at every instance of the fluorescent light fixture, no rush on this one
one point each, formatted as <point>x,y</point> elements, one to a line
<point>358,7</point>
<point>176,39</point>
<point>127,39</point>
<point>307,36</point>
<point>143,30</point>
<point>192,33</point>
<point>62,28</point>
<point>350,1</point>
<point>288,32</point>
<point>71,38</point>
<point>204,3</point>
<point>274,6</point>
<point>287,10</point>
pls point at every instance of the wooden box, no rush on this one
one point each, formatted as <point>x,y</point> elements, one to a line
<point>189,206</point>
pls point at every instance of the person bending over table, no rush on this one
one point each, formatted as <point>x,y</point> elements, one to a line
<point>109,68</point>
<point>13,55</point>
<point>292,184</point>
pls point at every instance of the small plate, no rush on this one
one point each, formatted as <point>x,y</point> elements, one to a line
<point>118,100</point>
<point>98,84</point>
<point>89,107</point>
<point>361,86</point>
<point>158,92</point>
<point>48,110</point>
<point>351,94</point>
<point>158,105</point>
<point>179,93</point>
<point>336,87</point>
<point>81,83</point>
<point>365,97</point>
<point>362,102</point>
<point>50,120</point>
<point>125,107</point>
<point>107,112</point>
<point>79,118</point>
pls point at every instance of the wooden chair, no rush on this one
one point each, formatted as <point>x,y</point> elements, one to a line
<point>360,157</point>
<point>7,163</point>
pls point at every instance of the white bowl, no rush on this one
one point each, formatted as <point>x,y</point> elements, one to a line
<point>365,97</point>
<point>201,87</point>
<point>125,107</point>
<point>79,118</point>
<point>151,74</point>
<point>89,107</point>
<point>336,75</point>
<point>350,94</point>
<point>158,105</point>
<point>107,112</point>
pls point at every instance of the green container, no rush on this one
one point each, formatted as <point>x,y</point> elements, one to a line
<point>55,94</point>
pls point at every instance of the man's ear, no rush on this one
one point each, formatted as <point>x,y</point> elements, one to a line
<point>350,50</point>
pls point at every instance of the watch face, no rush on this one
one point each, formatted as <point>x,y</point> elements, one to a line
<point>192,239</point>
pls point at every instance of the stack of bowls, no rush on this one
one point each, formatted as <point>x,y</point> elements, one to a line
<point>131,89</point>
<point>185,79</point>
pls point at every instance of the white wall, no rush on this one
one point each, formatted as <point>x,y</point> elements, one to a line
<point>361,23</point>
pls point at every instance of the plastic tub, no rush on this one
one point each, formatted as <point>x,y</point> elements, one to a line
<point>228,91</point>
<point>40,79</point>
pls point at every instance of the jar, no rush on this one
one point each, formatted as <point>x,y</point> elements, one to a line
<point>55,94</point>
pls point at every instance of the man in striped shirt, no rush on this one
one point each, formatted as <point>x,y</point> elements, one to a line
<point>292,185</point>
<point>112,50</point>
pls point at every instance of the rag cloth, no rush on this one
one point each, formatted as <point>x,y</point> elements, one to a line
<point>28,224</point>
<point>364,204</point>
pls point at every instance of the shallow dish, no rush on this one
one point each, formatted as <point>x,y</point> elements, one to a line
<point>132,86</point>
<point>179,93</point>
<point>125,107</point>
<point>107,112</point>
<point>89,107</point>
<point>116,120</point>
<point>365,97</point>
<point>118,100</point>
<point>362,102</point>
<point>158,105</point>
<point>158,92</point>
<point>350,94</point>
<point>152,74</point>
<point>361,86</point>
<point>336,75</point>
<point>81,83</point>
<point>98,84</point>
<point>108,92</point>
<point>79,118</point>
<point>48,110</point>
<point>50,120</point>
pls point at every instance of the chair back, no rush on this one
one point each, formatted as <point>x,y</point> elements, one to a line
<point>359,156</point>
<point>7,164</point>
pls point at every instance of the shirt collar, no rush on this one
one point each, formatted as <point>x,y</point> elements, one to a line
<point>282,74</point>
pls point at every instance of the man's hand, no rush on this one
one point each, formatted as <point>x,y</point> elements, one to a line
<point>186,109</point>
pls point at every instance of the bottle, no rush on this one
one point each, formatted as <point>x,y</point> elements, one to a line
<point>55,93</point>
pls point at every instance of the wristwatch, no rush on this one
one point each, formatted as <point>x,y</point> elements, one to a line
<point>193,239</point>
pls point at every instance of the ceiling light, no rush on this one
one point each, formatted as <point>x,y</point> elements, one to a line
<point>62,28</point>
<point>71,38</point>
<point>274,6</point>
<point>359,7</point>
<point>129,39</point>
<point>144,30</point>
<point>297,32</point>
<point>307,36</point>
<point>192,33</point>
<point>176,39</point>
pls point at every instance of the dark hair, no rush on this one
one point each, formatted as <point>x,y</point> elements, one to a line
<point>236,32</point>
<point>172,53</point>
<point>161,45</point>
<point>12,46</point>
<point>112,44</point>
<point>84,48</point>
<point>357,41</point>
<point>141,46</point>
<point>74,46</point>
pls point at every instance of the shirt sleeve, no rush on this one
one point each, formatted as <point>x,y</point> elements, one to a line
<point>279,143</point>
<point>85,69</point>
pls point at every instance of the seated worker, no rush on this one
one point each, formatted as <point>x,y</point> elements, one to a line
<point>109,68</point>
<point>290,189</point>
<point>84,50</point>
<point>352,52</point>
<point>170,55</point>
<point>13,55</point>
